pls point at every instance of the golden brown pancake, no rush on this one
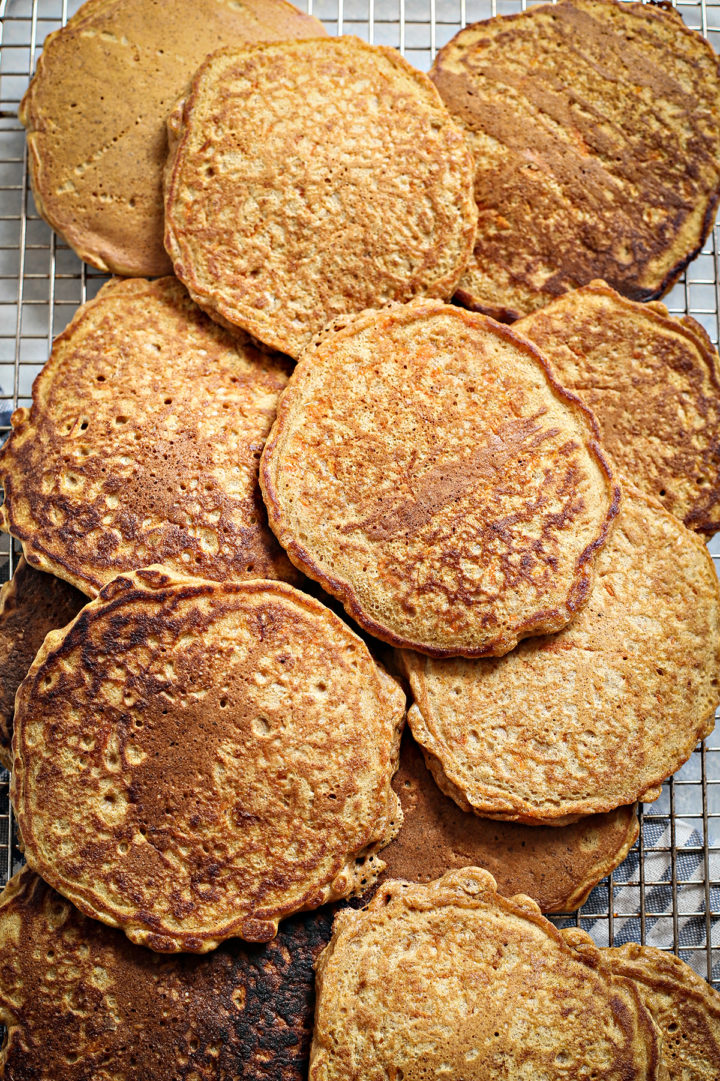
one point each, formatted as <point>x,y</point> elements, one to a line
<point>556,866</point>
<point>426,470</point>
<point>685,1008</point>
<point>310,179</point>
<point>653,385</point>
<point>595,128</point>
<point>195,760</point>
<point>96,110</point>
<point>598,715</point>
<point>142,445</point>
<point>82,1003</point>
<point>31,605</point>
<point>451,980</point>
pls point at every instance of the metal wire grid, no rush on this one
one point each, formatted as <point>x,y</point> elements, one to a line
<point>668,891</point>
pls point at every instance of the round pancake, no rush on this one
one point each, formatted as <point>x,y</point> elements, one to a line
<point>31,604</point>
<point>653,385</point>
<point>96,108</point>
<point>556,866</point>
<point>84,1002</point>
<point>595,128</point>
<point>195,760</point>
<point>598,715</point>
<point>143,443</point>
<point>450,979</point>
<point>685,1008</point>
<point>310,179</point>
<point>426,470</point>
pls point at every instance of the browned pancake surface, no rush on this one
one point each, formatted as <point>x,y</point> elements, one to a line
<point>196,760</point>
<point>96,109</point>
<point>451,980</point>
<point>142,444</point>
<point>31,604</point>
<point>556,866</point>
<point>598,715</point>
<point>595,128</point>
<point>685,1008</point>
<point>82,1003</point>
<point>311,179</point>
<point>653,385</point>
<point>427,472</point>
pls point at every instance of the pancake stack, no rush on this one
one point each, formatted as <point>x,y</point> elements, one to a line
<point>240,573</point>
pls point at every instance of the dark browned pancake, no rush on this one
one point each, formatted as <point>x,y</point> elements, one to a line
<point>596,135</point>
<point>31,604</point>
<point>556,866</point>
<point>81,1003</point>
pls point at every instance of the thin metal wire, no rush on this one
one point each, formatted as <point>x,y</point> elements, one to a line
<point>40,276</point>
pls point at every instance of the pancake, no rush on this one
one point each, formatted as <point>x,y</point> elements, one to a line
<point>653,385</point>
<point>95,113</point>
<point>196,760</point>
<point>685,1008</point>
<point>310,179</point>
<point>556,866</point>
<point>426,470</point>
<point>450,979</point>
<point>598,715</point>
<point>595,128</point>
<point>142,445</point>
<point>31,605</point>
<point>82,1003</point>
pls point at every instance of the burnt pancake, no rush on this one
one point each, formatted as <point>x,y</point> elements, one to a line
<point>428,472</point>
<point>685,1008</point>
<point>452,980</point>
<point>595,128</point>
<point>598,715</point>
<point>653,385</point>
<point>196,760</point>
<point>31,604</point>
<point>556,866</point>
<point>142,445</point>
<point>82,1003</point>
<point>96,108</point>
<point>310,179</point>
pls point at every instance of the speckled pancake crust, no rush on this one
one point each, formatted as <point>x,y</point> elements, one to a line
<point>143,443</point>
<point>82,1003</point>
<point>595,128</point>
<point>653,385</point>
<point>556,866</point>
<point>450,979</point>
<point>598,715</point>
<point>311,179</point>
<point>96,110</point>
<point>31,604</point>
<point>426,470</point>
<point>194,761</point>
<point>685,1008</point>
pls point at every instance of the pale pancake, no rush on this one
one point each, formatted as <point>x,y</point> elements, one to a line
<point>310,179</point>
<point>598,715</point>
<point>142,445</point>
<point>452,980</point>
<point>556,866</point>
<point>82,1003</point>
<point>685,1008</point>
<point>31,604</point>
<point>196,760</point>
<point>96,110</point>
<point>653,385</point>
<point>427,471</point>
<point>595,128</point>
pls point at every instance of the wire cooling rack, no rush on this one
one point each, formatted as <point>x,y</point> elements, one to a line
<point>667,892</point>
